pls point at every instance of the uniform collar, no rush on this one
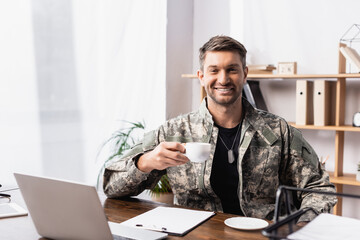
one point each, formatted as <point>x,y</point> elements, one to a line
<point>204,111</point>
<point>253,119</point>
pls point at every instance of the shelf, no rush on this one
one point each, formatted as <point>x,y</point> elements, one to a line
<point>292,76</point>
<point>300,76</point>
<point>189,76</point>
<point>346,128</point>
<point>347,179</point>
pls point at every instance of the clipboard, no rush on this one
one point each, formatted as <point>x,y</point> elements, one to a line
<point>171,220</point>
<point>11,210</point>
<point>272,231</point>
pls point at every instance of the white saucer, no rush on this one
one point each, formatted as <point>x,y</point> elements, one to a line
<point>246,223</point>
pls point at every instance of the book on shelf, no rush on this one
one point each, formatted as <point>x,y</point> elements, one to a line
<point>252,93</point>
<point>351,56</point>
<point>261,69</point>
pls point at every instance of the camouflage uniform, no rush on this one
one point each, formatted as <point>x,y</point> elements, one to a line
<point>271,153</point>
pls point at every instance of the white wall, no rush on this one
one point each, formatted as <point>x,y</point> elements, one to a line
<point>179,35</point>
<point>307,32</point>
<point>211,17</point>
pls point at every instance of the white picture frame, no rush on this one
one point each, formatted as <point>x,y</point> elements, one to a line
<point>287,68</point>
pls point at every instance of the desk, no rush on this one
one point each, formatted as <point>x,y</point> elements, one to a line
<point>120,210</point>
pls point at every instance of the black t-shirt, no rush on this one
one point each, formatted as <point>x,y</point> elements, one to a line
<point>224,177</point>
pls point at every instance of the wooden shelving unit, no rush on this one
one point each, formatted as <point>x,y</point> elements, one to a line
<point>337,177</point>
<point>346,179</point>
<point>346,128</point>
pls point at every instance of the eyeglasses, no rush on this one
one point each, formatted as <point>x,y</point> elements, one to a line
<point>4,195</point>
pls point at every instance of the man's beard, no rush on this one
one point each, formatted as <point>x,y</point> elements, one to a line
<point>225,102</point>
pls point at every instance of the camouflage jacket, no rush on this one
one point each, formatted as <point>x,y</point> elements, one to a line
<point>271,153</point>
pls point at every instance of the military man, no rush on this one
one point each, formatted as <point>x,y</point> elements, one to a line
<point>252,151</point>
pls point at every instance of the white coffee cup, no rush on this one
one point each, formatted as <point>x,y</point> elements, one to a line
<point>197,151</point>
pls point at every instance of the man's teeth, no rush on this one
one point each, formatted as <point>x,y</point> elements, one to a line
<point>224,89</point>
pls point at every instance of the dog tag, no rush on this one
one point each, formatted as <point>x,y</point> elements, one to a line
<point>231,156</point>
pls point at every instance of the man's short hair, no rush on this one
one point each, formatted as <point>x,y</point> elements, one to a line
<point>222,43</point>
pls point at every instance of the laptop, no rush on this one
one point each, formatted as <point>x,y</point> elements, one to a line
<point>68,210</point>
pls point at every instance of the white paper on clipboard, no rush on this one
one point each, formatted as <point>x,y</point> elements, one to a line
<point>176,221</point>
<point>329,227</point>
<point>11,210</point>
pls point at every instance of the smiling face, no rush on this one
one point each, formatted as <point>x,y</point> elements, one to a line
<point>223,78</point>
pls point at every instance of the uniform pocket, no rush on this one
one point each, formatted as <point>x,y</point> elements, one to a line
<point>184,178</point>
<point>301,148</point>
<point>253,167</point>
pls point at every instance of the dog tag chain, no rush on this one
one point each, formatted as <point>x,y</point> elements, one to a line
<point>231,157</point>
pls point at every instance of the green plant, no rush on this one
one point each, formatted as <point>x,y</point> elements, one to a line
<point>121,141</point>
<point>163,186</point>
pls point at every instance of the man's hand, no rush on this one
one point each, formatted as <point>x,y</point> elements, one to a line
<point>301,224</point>
<point>166,154</point>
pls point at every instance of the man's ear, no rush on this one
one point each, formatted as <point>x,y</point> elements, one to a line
<point>200,76</point>
<point>246,70</point>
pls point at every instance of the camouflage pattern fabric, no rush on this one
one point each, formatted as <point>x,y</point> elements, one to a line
<point>271,153</point>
